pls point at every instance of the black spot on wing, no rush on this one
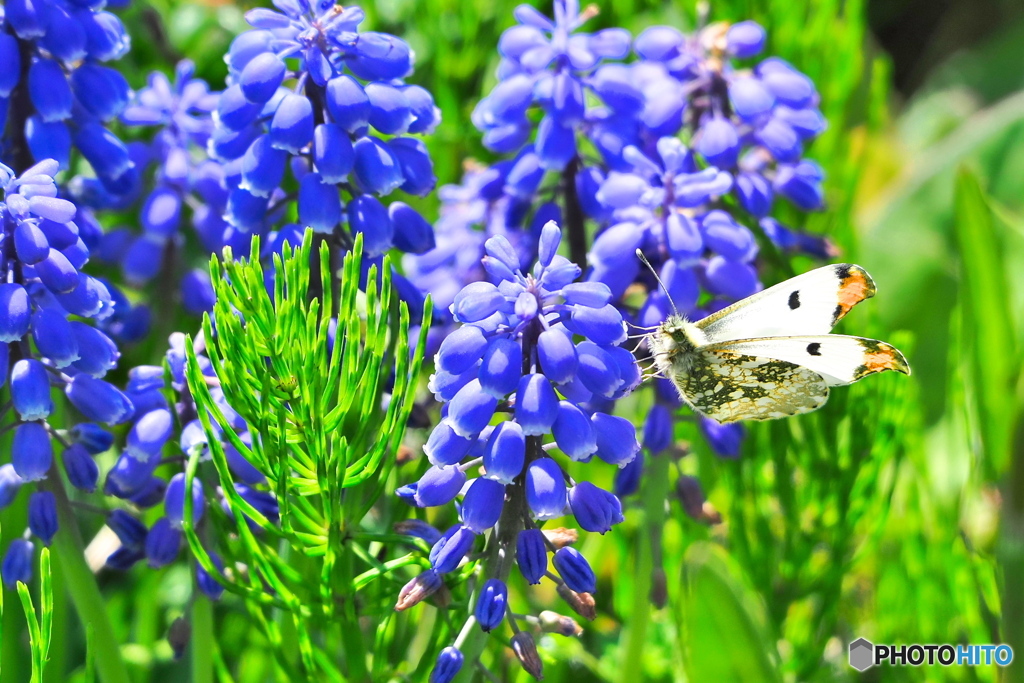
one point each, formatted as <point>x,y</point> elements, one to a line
<point>814,348</point>
<point>843,271</point>
<point>837,314</point>
<point>794,300</point>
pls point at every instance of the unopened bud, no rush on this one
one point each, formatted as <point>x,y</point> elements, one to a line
<point>561,537</point>
<point>553,622</point>
<point>404,455</point>
<point>581,603</point>
<point>418,590</point>
<point>691,495</point>
<point>178,635</point>
<point>659,588</point>
<point>526,651</point>
<point>710,515</point>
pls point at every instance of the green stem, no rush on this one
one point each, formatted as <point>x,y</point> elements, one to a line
<point>85,592</point>
<point>1011,553</point>
<point>656,484</point>
<point>202,642</point>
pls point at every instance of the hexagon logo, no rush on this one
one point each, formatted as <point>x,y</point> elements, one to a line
<point>862,654</point>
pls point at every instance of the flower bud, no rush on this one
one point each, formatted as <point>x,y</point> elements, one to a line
<point>745,39</point>
<point>501,368</point>
<point>725,440</point>
<point>594,508</point>
<point>30,390</point>
<point>163,543</point>
<point>319,203</point>
<point>261,77</point>
<point>482,504</point>
<point>418,590</point>
<point>575,570</point>
<point>581,603</point>
<point>573,432</point>
<point>526,650</point>
<point>368,216</point>
<point>97,352</point>
<point>461,349</point>
<point>81,469</point>
<point>505,452</point>
<point>131,531</point>
<point>291,129</point>
<point>627,479</point>
<point>545,489</point>
<point>531,555</point>
<point>447,553</point>
<point>491,604</point>
<point>42,515</point>
<point>347,103</point>
<point>471,409</point>
<point>129,475</point>
<point>15,312</point>
<point>438,486</point>
<point>149,434</point>
<point>418,529</point>
<point>376,167</point>
<point>17,563</point>
<point>262,167</point>
<point>695,505</point>
<point>553,622</point>
<point>449,663</point>
<point>54,337</point>
<point>178,636</point>
<point>559,537</point>
<point>659,588</point>
<point>536,405</point>
<point>10,484</point>
<point>174,500</point>
<point>31,451</point>
<point>616,439</point>
<point>98,400</point>
<point>333,154</point>
<point>208,585</point>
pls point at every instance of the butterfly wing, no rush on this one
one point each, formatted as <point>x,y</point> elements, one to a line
<point>729,386</point>
<point>808,304</point>
<point>837,358</point>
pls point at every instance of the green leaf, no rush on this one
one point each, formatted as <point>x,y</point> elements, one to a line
<point>992,347</point>
<point>718,610</point>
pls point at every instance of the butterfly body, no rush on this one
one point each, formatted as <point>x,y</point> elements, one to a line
<point>771,355</point>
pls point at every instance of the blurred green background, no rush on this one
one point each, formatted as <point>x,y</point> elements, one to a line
<point>895,514</point>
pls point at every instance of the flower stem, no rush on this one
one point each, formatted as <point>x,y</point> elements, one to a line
<point>574,225</point>
<point>85,592</point>
<point>656,483</point>
<point>202,640</point>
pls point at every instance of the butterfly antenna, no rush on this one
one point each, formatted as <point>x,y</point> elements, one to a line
<point>647,263</point>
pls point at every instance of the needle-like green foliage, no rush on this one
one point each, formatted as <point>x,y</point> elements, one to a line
<point>327,409</point>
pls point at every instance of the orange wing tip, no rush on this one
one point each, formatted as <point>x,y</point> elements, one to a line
<point>855,285</point>
<point>879,357</point>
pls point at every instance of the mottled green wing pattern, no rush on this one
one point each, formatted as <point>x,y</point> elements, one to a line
<point>728,387</point>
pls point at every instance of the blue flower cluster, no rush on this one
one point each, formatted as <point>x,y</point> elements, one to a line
<point>309,92</point>
<point>134,476</point>
<point>52,62</point>
<point>45,344</point>
<point>694,143</point>
<point>186,183</point>
<point>544,350</point>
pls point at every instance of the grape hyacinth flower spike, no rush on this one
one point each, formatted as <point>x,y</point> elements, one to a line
<point>46,343</point>
<point>527,380</point>
<point>342,122</point>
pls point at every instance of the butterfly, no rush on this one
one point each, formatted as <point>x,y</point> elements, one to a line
<point>771,355</point>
